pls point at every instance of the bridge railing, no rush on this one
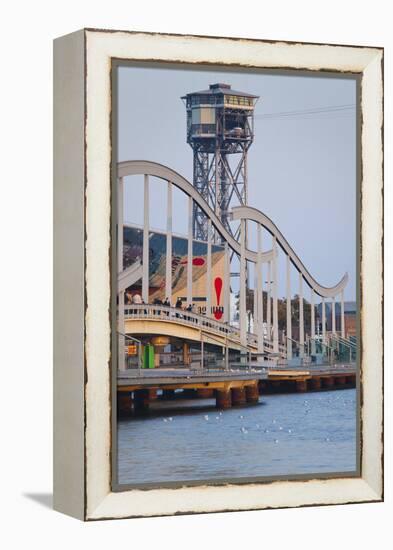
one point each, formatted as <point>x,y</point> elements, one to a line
<point>189,318</point>
<point>195,320</point>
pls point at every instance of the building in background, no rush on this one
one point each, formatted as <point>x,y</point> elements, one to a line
<point>350,317</point>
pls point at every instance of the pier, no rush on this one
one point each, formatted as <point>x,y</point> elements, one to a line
<point>136,392</point>
<point>167,345</point>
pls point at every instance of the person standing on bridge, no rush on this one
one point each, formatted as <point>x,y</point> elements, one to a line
<point>189,309</point>
<point>178,305</point>
<point>137,299</point>
<point>167,303</point>
<point>128,296</point>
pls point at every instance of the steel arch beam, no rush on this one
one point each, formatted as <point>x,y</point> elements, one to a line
<point>140,167</point>
<point>250,213</point>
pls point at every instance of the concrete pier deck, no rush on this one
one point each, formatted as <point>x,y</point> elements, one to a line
<point>238,386</point>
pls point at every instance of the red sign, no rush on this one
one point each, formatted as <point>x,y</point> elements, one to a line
<point>218,311</point>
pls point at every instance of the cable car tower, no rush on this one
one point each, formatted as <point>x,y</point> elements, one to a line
<point>220,130</point>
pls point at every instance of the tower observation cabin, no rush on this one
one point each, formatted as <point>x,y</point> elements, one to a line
<point>220,130</point>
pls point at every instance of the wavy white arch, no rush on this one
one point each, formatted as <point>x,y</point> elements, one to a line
<point>141,167</point>
<point>252,214</point>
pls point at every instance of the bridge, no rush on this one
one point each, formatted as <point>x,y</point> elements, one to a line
<point>157,325</point>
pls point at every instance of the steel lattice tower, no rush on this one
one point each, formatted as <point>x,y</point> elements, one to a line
<point>220,130</point>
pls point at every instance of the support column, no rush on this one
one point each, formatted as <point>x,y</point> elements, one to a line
<point>227,284</point>
<point>124,403</point>
<point>289,311</point>
<point>252,393</point>
<point>120,224</point>
<point>209,270</point>
<point>120,228</point>
<point>315,383</point>
<point>242,291</point>
<point>145,267</point>
<point>168,270</point>
<point>186,353</point>
<point>259,291</point>
<point>223,399</point>
<point>238,396</point>
<point>189,253</point>
<point>141,400</point>
<point>275,302</point>
<point>334,315</point>
<point>323,321</point>
<point>152,394</point>
<point>301,316</point>
<point>121,340</point>
<point>255,301</point>
<point>312,322</point>
<point>269,304</point>
<point>301,385</point>
<point>342,315</point>
<point>328,382</point>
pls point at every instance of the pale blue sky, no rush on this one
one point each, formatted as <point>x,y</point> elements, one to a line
<point>302,169</point>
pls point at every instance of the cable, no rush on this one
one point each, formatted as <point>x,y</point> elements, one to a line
<point>314,111</point>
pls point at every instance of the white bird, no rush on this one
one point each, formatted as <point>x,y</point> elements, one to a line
<point>243,429</point>
<point>280,428</point>
<point>206,417</point>
<point>276,441</point>
<point>289,431</point>
<point>241,416</point>
<point>165,420</point>
<point>170,419</point>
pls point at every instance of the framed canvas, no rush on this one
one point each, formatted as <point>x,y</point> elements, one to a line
<point>218,274</point>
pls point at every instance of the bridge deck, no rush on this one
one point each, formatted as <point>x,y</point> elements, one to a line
<point>191,377</point>
<point>186,378</point>
<point>142,318</point>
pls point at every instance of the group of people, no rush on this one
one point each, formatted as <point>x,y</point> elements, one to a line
<point>136,299</point>
<point>158,302</point>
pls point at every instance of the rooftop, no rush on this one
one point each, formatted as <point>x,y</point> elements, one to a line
<point>219,89</point>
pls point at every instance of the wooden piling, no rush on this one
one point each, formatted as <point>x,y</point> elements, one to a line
<point>328,381</point>
<point>301,385</point>
<point>141,401</point>
<point>223,399</point>
<point>315,384</point>
<point>152,394</point>
<point>252,393</point>
<point>238,396</point>
<point>351,380</point>
<point>168,394</point>
<point>124,403</point>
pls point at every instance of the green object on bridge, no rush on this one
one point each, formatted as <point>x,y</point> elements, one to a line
<point>148,357</point>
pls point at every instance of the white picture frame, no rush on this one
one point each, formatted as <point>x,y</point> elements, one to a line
<point>82,335</point>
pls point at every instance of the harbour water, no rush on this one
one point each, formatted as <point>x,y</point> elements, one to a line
<point>286,434</point>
